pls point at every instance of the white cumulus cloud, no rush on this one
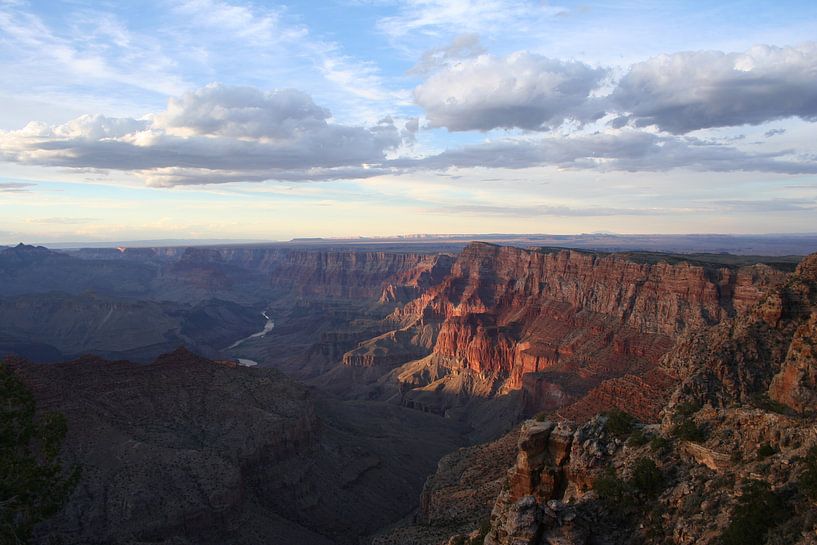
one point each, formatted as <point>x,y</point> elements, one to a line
<point>521,90</point>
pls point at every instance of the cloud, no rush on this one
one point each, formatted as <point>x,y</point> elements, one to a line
<point>686,91</point>
<point>533,211</point>
<point>431,17</point>
<point>464,46</point>
<point>238,20</point>
<point>243,112</point>
<point>212,135</point>
<point>94,49</point>
<point>774,132</point>
<point>540,210</point>
<point>521,90</point>
<point>625,150</point>
<point>768,205</point>
<point>63,220</point>
<point>15,187</point>
<point>678,93</point>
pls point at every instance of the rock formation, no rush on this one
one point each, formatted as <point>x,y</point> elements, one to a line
<point>185,450</point>
<point>555,326</point>
<point>769,351</point>
<point>733,460</point>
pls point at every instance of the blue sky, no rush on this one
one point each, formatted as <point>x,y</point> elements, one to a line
<point>259,120</point>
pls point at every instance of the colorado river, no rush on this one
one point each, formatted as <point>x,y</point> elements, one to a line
<point>267,328</point>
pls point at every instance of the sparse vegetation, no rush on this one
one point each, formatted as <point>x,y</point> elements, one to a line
<point>736,457</point>
<point>685,427</point>
<point>541,416</point>
<point>686,410</point>
<point>646,483</point>
<point>619,423</point>
<point>688,430</point>
<point>479,539</point>
<point>33,484</point>
<point>609,487</point>
<point>758,510</point>
<point>659,444</point>
<point>765,451</point>
<point>647,480</point>
<point>638,438</point>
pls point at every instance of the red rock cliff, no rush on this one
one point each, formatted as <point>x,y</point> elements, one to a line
<point>556,324</point>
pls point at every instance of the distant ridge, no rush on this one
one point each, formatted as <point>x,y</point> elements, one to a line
<point>147,243</point>
<point>762,245</point>
<point>765,244</point>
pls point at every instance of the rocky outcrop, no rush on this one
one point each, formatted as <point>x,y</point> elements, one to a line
<point>795,385</point>
<point>555,466</point>
<point>737,439</point>
<point>389,350</point>
<point>768,351</point>
<point>557,325</point>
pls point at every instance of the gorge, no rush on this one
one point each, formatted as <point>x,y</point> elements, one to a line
<point>322,426</point>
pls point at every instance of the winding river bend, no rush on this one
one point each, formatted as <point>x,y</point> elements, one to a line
<point>269,326</point>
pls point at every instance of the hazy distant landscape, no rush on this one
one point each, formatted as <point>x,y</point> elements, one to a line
<point>408,272</point>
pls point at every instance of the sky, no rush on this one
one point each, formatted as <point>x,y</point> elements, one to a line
<point>267,121</point>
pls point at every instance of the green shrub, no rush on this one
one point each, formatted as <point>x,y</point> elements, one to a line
<point>638,438</point>
<point>685,410</point>
<point>619,424</point>
<point>541,417</point>
<point>765,450</point>
<point>33,485</point>
<point>659,443</point>
<point>647,479</point>
<point>609,487</point>
<point>688,430</point>
<point>646,483</point>
<point>758,510</point>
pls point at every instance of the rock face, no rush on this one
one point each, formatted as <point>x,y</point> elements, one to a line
<point>326,273</point>
<point>555,463</point>
<point>555,325</point>
<point>769,351</point>
<point>185,450</point>
<point>740,420</point>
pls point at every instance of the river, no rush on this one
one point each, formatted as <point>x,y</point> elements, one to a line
<point>267,328</point>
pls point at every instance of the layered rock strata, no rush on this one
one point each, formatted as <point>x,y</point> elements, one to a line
<point>555,325</point>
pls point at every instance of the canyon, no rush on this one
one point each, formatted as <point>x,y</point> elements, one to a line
<point>558,331</point>
<point>381,365</point>
<point>734,445</point>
